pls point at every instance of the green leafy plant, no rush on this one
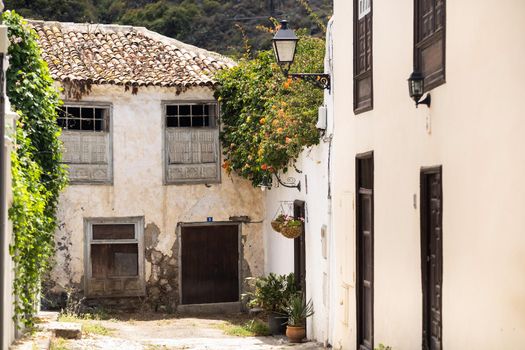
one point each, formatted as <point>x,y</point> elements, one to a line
<point>272,292</point>
<point>268,119</point>
<point>37,173</point>
<point>299,310</point>
<point>383,347</point>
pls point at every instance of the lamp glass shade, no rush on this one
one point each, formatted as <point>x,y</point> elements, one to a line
<point>284,50</point>
<point>416,86</point>
<point>285,44</point>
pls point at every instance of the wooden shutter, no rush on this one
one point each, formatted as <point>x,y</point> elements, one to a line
<point>429,49</point>
<point>363,85</point>
<point>87,155</point>
<point>192,155</point>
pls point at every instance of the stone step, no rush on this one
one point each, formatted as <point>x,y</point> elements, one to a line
<point>67,330</point>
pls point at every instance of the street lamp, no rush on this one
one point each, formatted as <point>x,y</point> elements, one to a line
<point>284,47</point>
<point>416,88</point>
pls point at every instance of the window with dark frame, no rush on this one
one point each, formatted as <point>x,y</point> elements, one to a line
<point>190,115</point>
<point>429,41</point>
<point>83,118</point>
<point>363,77</point>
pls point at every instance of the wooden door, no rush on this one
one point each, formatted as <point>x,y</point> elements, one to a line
<point>365,251</point>
<point>300,250</point>
<point>209,264</point>
<point>432,257</point>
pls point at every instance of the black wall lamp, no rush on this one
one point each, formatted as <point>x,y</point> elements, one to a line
<point>416,89</point>
<point>284,48</point>
<point>266,183</point>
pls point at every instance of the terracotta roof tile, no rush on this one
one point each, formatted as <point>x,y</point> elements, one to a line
<point>124,55</point>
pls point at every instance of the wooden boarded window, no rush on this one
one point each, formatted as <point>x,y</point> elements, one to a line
<point>429,46</point>
<point>192,143</point>
<point>86,139</point>
<point>114,259</point>
<point>363,83</point>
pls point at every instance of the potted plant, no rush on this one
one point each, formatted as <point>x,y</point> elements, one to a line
<point>291,227</point>
<point>298,311</point>
<point>277,223</point>
<point>271,293</point>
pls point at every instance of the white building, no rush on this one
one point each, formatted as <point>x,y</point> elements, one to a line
<point>429,248</point>
<point>149,214</point>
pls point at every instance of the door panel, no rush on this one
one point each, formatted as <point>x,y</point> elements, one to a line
<point>432,257</point>
<point>210,264</point>
<point>365,252</point>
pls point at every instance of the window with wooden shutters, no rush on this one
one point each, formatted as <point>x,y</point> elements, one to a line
<point>363,84</point>
<point>86,138</point>
<point>115,257</point>
<point>429,46</point>
<point>191,143</point>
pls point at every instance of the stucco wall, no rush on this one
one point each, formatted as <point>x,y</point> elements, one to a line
<point>474,129</point>
<point>138,190</point>
<point>316,191</point>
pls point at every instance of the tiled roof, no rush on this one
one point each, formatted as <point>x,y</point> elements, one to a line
<point>123,55</point>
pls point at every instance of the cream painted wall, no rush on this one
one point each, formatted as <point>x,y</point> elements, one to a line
<point>313,162</point>
<point>138,188</point>
<point>474,129</point>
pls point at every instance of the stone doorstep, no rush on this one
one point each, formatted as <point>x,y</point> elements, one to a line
<point>67,330</point>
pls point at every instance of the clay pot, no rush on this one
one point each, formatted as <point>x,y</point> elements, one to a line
<point>295,334</point>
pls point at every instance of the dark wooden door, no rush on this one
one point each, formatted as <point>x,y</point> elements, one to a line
<point>432,257</point>
<point>365,251</point>
<point>300,250</point>
<point>210,264</point>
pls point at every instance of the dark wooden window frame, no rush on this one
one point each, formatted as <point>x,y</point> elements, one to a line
<point>425,171</point>
<point>359,77</point>
<point>359,157</point>
<point>421,44</point>
<point>204,224</point>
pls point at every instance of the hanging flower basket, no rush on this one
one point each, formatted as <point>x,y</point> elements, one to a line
<point>277,225</point>
<point>292,228</point>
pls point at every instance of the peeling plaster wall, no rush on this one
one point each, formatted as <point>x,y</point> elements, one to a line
<point>138,190</point>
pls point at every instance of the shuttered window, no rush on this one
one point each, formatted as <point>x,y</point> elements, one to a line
<point>86,139</point>
<point>429,46</point>
<point>115,258</point>
<point>363,83</point>
<point>191,143</point>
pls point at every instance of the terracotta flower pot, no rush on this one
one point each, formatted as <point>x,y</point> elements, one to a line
<point>295,334</point>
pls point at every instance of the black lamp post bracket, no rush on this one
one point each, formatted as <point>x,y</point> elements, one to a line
<point>321,80</point>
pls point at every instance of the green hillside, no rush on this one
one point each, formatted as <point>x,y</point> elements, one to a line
<point>212,24</point>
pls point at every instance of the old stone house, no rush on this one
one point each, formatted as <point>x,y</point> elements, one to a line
<point>149,215</point>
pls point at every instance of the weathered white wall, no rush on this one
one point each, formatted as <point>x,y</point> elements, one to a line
<point>475,130</point>
<point>138,188</point>
<point>279,251</point>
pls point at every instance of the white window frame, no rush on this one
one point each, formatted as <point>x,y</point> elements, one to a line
<point>138,222</point>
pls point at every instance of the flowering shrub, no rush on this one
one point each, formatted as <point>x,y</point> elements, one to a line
<point>268,119</point>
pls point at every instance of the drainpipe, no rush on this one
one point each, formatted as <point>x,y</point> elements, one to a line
<point>3,253</point>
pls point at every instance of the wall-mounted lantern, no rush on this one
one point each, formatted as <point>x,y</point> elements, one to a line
<point>284,47</point>
<point>416,89</point>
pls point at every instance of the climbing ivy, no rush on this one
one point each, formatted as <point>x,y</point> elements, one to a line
<point>37,174</point>
<point>268,119</point>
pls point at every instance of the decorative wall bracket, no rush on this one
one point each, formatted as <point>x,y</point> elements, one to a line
<point>321,80</point>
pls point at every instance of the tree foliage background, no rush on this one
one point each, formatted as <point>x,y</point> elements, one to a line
<point>209,24</point>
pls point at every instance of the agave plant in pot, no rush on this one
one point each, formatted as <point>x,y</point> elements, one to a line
<point>271,294</point>
<point>298,311</point>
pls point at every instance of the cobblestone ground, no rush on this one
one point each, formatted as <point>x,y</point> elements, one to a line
<point>139,332</point>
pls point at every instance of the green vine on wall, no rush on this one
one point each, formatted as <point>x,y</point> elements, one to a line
<point>37,174</point>
<point>268,119</point>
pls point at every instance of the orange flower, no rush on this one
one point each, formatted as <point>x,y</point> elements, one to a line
<point>264,167</point>
<point>262,121</point>
<point>287,83</point>
<point>279,130</point>
<point>288,140</point>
